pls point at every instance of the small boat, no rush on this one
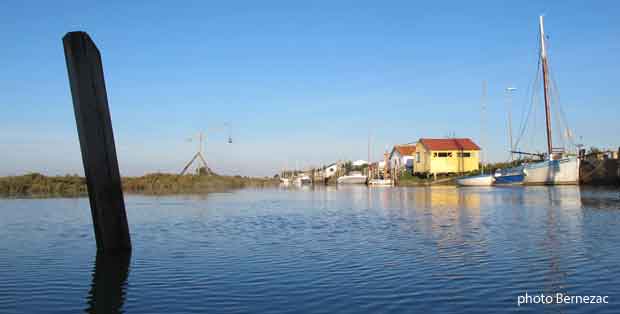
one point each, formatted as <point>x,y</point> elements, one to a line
<point>302,179</point>
<point>285,181</point>
<point>510,176</point>
<point>353,178</point>
<point>381,182</point>
<point>477,180</point>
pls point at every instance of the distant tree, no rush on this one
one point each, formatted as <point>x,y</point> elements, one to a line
<point>348,166</point>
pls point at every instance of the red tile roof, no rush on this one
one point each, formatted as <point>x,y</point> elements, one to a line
<point>449,144</point>
<point>405,150</point>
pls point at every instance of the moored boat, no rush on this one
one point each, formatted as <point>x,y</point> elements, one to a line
<point>302,179</point>
<point>381,182</point>
<point>353,178</point>
<point>559,168</point>
<point>477,180</point>
<point>550,172</point>
<point>510,176</point>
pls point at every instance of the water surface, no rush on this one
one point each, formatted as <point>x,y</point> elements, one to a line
<point>328,250</point>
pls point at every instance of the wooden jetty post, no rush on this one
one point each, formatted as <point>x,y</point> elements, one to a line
<point>94,126</point>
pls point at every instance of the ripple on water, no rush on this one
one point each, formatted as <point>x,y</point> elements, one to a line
<point>329,250</point>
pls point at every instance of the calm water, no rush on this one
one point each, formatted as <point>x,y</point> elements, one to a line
<point>353,250</point>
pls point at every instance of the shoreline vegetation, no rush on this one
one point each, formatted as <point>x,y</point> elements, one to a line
<point>39,185</point>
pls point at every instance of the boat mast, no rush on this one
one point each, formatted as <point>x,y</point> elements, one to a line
<point>545,71</point>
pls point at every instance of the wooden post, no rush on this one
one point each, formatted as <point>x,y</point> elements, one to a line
<point>94,126</point>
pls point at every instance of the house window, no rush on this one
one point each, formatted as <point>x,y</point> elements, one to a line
<point>466,155</point>
<point>443,155</point>
<point>417,156</point>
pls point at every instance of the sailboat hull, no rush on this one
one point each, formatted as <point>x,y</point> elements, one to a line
<point>511,179</point>
<point>551,172</point>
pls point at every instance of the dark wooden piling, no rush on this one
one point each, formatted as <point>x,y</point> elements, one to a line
<point>94,125</point>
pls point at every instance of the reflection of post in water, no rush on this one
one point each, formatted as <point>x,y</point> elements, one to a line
<point>107,291</point>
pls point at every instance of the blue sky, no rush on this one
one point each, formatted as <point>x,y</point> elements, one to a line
<point>302,82</point>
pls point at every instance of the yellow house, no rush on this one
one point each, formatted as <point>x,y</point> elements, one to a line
<point>446,155</point>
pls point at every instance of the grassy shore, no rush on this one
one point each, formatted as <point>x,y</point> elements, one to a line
<point>38,185</point>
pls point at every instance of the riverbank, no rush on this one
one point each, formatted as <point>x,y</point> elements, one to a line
<point>407,179</point>
<point>38,185</point>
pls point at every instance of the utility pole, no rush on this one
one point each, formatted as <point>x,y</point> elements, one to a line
<point>509,91</point>
<point>482,121</point>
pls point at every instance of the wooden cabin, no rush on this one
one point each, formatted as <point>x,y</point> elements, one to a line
<point>446,155</point>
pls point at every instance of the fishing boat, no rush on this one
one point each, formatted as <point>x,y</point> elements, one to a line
<point>354,177</point>
<point>477,180</point>
<point>559,167</point>
<point>510,176</point>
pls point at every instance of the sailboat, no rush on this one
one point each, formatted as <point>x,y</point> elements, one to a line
<point>558,168</point>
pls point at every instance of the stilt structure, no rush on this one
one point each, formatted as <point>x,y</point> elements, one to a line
<point>199,157</point>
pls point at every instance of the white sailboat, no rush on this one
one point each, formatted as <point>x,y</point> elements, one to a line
<point>559,168</point>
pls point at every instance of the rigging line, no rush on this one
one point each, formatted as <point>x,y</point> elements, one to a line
<point>532,89</point>
<point>526,115</point>
<point>560,119</point>
<point>525,109</point>
<point>561,112</point>
<point>525,120</point>
<point>559,126</point>
<point>555,115</point>
<point>534,116</point>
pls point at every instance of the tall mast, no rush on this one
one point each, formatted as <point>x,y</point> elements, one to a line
<point>545,70</point>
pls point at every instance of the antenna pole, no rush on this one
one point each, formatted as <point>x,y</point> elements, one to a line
<point>482,109</point>
<point>509,92</point>
<point>200,143</point>
<point>545,70</point>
